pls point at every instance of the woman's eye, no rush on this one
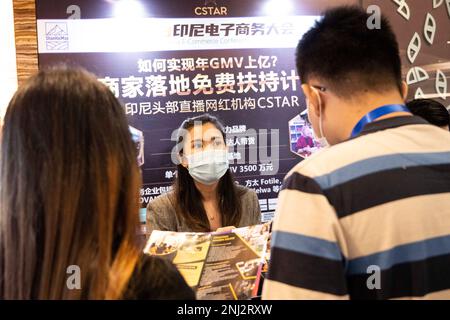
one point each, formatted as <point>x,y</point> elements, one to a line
<point>218,143</point>
<point>198,145</point>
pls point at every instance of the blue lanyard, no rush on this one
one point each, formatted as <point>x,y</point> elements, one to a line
<point>378,113</point>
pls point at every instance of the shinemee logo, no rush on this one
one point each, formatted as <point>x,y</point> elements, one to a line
<point>56,36</point>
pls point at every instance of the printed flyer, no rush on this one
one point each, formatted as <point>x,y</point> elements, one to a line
<point>218,266</point>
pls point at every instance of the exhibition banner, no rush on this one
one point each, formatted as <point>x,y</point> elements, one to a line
<point>170,60</point>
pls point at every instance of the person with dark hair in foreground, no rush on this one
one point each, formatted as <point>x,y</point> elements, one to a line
<point>69,197</point>
<point>205,196</point>
<point>432,111</point>
<point>369,216</point>
<point>156,278</point>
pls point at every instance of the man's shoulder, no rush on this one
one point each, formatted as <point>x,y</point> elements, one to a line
<point>326,159</point>
<point>378,151</point>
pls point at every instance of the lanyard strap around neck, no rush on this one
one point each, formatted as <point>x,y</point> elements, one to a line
<point>376,114</point>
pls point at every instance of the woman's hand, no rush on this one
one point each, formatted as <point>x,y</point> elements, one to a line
<point>225,229</point>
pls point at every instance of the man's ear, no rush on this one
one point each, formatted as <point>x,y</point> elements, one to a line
<point>405,90</point>
<point>311,96</point>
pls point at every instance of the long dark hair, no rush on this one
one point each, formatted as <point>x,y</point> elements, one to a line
<point>69,190</point>
<point>188,197</point>
<point>431,110</point>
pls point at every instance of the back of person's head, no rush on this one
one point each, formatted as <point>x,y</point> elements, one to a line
<point>156,278</point>
<point>347,56</point>
<point>432,111</point>
<point>348,67</point>
<point>69,187</point>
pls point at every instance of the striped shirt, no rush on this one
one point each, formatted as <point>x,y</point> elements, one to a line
<point>368,218</point>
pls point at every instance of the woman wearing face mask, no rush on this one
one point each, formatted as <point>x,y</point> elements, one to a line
<point>205,196</point>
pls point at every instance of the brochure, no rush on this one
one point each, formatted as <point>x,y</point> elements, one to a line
<point>218,266</point>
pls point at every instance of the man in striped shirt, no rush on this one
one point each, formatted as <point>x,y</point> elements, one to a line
<point>369,216</point>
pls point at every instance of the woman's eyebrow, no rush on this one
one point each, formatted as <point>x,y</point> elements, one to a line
<point>211,139</point>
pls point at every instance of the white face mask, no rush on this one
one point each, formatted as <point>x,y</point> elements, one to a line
<point>208,166</point>
<point>322,140</point>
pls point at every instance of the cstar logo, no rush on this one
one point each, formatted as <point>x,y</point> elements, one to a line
<point>211,8</point>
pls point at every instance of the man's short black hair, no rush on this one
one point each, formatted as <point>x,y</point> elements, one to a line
<point>430,110</point>
<point>349,57</point>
